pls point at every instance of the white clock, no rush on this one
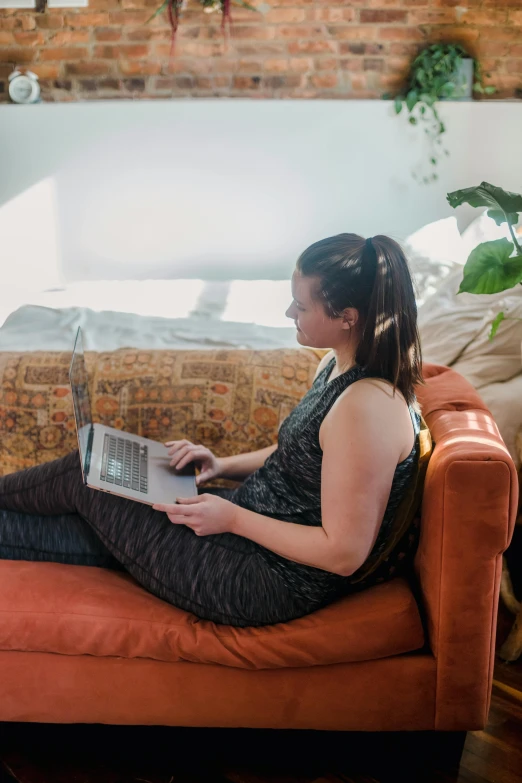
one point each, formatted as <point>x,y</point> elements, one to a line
<point>24,87</point>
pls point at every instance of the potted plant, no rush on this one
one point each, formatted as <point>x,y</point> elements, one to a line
<point>491,266</point>
<point>442,71</point>
<point>174,7</point>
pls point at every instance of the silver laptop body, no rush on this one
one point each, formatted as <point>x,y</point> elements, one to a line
<point>120,463</point>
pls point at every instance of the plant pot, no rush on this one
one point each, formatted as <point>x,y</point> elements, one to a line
<point>463,78</point>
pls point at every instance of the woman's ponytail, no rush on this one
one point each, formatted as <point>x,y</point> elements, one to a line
<point>373,277</point>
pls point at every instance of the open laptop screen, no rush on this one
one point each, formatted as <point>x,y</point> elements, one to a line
<point>81,402</point>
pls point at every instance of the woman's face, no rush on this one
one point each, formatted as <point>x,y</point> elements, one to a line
<point>314,327</point>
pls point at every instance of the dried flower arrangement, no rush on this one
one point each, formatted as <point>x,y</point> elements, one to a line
<point>174,7</point>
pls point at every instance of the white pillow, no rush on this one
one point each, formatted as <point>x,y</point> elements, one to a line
<point>486,361</point>
<point>455,326</point>
<point>433,252</point>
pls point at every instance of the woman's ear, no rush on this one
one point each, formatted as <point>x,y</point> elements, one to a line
<point>349,317</point>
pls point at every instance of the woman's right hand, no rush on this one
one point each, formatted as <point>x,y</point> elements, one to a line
<point>182,452</point>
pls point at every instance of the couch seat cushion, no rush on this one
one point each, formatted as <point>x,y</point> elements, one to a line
<point>82,610</point>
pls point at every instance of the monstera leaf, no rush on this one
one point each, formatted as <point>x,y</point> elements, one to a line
<point>504,206</point>
<point>490,269</point>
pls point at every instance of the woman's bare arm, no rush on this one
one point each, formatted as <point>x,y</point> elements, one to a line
<point>240,466</point>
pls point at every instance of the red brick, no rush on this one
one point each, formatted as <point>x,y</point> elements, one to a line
<point>128,17</point>
<point>50,21</point>
<point>504,3</point>
<point>331,14</point>
<point>310,47</point>
<point>122,50</point>
<point>46,71</point>
<point>324,80</point>
<point>70,37</point>
<point>138,68</point>
<point>107,34</point>
<point>488,17</point>
<point>400,34</point>
<point>434,16</point>
<point>6,38</point>
<point>284,15</point>
<point>10,23</point>
<point>352,64</point>
<point>380,17</point>
<point>301,64</point>
<point>398,64</point>
<point>89,68</point>
<point>258,33</point>
<point>358,81</point>
<point>87,20</point>
<point>515,17</point>
<point>311,31</point>
<point>16,55</point>
<point>404,3</point>
<point>28,22</point>
<point>246,82</point>
<point>404,49</point>
<point>29,39</point>
<point>359,33</point>
<point>515,50</point>
<point>494,49</point>
<point>271,64</point>
<point>373,64</point>
<point>280,82</point>
<point>326,63</point>
<point>64,53</point>
<point>103,5</point>
<point>148,34</point>
<point>514,66</point>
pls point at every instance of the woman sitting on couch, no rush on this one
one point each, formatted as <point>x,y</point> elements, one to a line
<point>311,511</point>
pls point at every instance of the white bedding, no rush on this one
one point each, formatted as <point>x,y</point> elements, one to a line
<point>150,314</point>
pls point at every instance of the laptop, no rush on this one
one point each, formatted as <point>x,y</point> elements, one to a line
<point>120,463</point>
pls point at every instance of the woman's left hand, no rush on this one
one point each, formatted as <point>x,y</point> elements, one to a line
<point>206,514</point>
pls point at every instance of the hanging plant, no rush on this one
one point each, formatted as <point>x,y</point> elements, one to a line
<point>173,8</point>
<point>434,76</point>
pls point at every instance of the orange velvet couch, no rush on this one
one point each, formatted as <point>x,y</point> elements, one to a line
<point>83,644</point>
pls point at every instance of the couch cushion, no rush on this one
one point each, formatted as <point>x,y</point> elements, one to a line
<point>82,610</point>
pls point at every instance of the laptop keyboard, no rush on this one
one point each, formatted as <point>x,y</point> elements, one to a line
<point>125,463</point>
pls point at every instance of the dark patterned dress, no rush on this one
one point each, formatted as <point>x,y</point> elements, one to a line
<point>48,513</point>
<point>288,487</point>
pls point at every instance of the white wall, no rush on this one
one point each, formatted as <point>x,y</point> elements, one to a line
<point>218,188</point>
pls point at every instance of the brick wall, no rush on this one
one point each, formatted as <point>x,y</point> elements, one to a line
<point>288,49</point>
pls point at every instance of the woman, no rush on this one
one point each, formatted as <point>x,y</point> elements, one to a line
<point>311,509</point>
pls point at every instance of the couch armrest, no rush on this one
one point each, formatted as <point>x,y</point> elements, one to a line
<point>468,515</point>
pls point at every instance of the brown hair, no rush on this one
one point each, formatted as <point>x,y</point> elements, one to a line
<point>374,278</point>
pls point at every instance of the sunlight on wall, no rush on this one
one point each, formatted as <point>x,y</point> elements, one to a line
<point>30,256</point>
<point>261,302</point>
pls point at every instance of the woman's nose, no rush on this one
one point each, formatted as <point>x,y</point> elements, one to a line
<point>289,313</point>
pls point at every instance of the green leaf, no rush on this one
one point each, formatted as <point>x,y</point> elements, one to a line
<point>398,105</point>
<point>486,195</point>
<point>413,121</point>
<point>489,90</point>
<point>246,5</point>
<point>496,323</point>
<point>411,99</point>
<point>158,11</point>
<point>499,217</point>
<point>489,268</point>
